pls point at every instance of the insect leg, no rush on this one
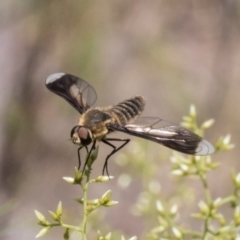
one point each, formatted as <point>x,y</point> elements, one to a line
<point>79,158</point>
<point>89,155</point>
<point>115,149</point>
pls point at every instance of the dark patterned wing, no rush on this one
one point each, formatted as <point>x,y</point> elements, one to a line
<point>167,134</point>
<point>73,89</point>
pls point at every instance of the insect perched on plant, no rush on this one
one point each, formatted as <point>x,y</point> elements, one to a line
<point>96,123</point>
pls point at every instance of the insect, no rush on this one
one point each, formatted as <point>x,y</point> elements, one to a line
<point>96,123</point>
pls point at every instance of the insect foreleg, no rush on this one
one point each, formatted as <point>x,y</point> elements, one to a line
<point>79,158</point>
<point>88,155</point>
<point>115,149</point>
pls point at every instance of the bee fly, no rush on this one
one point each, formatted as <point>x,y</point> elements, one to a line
<point>96,123</point>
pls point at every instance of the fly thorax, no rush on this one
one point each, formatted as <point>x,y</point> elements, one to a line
<point>81,135</point>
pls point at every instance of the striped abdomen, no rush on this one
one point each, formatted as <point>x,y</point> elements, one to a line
<point>127,110</point>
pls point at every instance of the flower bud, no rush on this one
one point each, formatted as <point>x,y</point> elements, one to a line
<point>193,111</point>
<point>203,207</point>
<point>108,236</point>
<point>103,178</point>
<point>217,202</point>
<point>133,238</point>
<point>40,217</point>
<point>54,216</point>
<point>43,232</point>
<point>160,207</point>
<point>69,179</point>
<point>224,229</point>
<point>173,210</point>
<point>105,197</point>
<point>111,203</point>
<point>178,172</point>
<point>59,209</point>
<point>177,233</point>
<point>208,123</point>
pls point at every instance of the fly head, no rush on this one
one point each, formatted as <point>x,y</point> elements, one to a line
<point>81,135</point>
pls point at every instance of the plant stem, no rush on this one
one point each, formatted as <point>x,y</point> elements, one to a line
<point>84,223</point>
<point>67,226</point>
<point>85,211</point>
<point>206,188</point>
<point>209,201</point>
<point>228,199</point>
<point>85,200</point>
<point>191,233</point>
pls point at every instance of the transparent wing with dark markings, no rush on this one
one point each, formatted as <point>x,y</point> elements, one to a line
<point>73,89</point>
<point>167,134</point>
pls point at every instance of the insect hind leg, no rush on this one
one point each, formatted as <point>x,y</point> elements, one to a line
<point>115,149</point>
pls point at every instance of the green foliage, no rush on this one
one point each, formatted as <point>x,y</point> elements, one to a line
<point>161,211</point>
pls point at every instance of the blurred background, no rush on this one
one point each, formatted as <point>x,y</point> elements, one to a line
<point>175,53</point>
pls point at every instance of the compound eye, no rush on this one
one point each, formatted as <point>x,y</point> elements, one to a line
<point>74,130</point>
<point>85,136</point>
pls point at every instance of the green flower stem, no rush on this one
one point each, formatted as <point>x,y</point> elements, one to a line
<point>228,199</point>
<point>206,188</point>
<point>203,179</point>
<point>206,229</point>
<point>66,226</point>
<point>72,227</point>
<point>85,200</point>
<point>85,214</point>
<point>209,201</point>
<point>193,234</point>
